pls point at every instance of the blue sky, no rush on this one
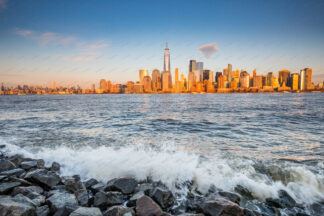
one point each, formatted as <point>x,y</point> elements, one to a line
<point>79,42</point>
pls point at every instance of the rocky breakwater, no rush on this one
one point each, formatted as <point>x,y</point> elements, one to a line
<point>28,187</point>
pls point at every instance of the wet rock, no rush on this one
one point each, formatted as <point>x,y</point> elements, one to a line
<point>248,212</point>
<point>12,172</point>
<point>220,206</point>
<point>42,211</point>
<point>22,181</point>
<point>98,187</point>
<point>317,209</point>
<point>28,164</point>
<point>115,198</point>
<point>145,206</point>
<point>17,159</point>
<point>66,210</point>
<point>83,211</point>
<point>82,197</point>
<point>6,165</point>
<point>163,197</point>
<point>90,182</point>
<point>244,192</point>
<point>132,201</point>
<point>43,177</point>
<point>230,196</point>
<point>30,191</point>
<point>100,199</point>
<point>6,187</point>
<point>16,206</point>
<point>55,167</point>
<point>124,185</point>
<point>284,200</point>
<point>59,199</point>
<point>147,188</point>
<point>72,184</point>
<point>119,211</point>
<point>191,214</point>
<point>40,164</point>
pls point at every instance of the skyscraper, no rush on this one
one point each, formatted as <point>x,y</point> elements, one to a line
<point>199,71</point>
<point>176,75</point>
<point>284,77</point>
<point>166,81</point>
<point>229,73</point>
<point>308,78</point>
<point>302,80</point>
<point>156,80</point>
<point>54,85</point>
<point>167,58</point>
<point>142,74</point>
<point>103,85</point>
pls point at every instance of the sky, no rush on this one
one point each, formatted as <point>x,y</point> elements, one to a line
<point>79,42</point>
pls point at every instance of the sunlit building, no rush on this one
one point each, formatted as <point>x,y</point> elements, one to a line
<point>269,79</point>
<point>211,76</point>
<point>138,88</point>
<point>130,87</point>
<point>229,73</point>
<point>191,81</point>
<point>166,64</point>
<point>142,74</point>
<point>221,82</point>
<point>257,81</point>
<point>275,82</point>
<point>308,78</point>
<point>156,80</point>
<point>295,81</point>
<point>205,75</point>
<point>284,77</point>
<point>147,83</point>
<point>245,81</point>
<point>103,85</point>
<point>199,71</point>
<point>166,81</point>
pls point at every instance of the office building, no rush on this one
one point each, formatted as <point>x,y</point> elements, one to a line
<point>142,74</point>
<point>166,65</point>
<point>284,77</point>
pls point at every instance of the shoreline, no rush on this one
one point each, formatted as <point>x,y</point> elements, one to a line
<point>28,187</point>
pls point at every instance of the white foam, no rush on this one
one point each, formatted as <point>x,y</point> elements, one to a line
<point>172,165</point>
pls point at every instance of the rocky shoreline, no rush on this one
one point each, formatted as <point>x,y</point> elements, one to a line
<point>28,187</point>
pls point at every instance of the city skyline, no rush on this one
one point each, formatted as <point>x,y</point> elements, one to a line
<point>88,41</point>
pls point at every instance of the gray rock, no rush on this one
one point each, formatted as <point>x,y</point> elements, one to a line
<point>98,187</point>
<point>59,199</point>
<point>284,200</point>
<point>72,184</point>
<point>29,191</point>
<point>145,206</point>
<point>7,186</point>
<point>230,196</point>
<point>119,211</point>
<point>82,197</point>
<point>115,198</point>
<point>90,182</point>
<point>28,164</point>
<point>244,192</point>
<point>13,172</point>
<point>190,214</point>
<point>15,206</point>
<point>100,199</point>
<point>43,177</point>
<point>124,185</point>
<point>163,197</point>
<point>132,201</point>
<point>66,210</point>
<point>83,211</point>
<point>6,165</point>
<point>220,206</point>
<point>42,211</point>
<point>147,188</point>
<point>55,167</point>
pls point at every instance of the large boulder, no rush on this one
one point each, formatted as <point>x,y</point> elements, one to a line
<point>100,199</point>
<point>83,211</point>
<point>31,191</point>
<point>15,206</point>
<point>66,210</point>
<point>43,177</point>
<point>6,187</point>
<point>244,192</point>
<point>82,196</point>
<point>97,187</point>
<point>59,199</point>
<point>110,198</point>
<point>72,184</point>
<point>145,206</point>
<point>132,201</point>
<point>230,196</point>
<point>284,200</point>
<point>6,165</point>
<point>219,207</point>
<point>163,197</point>
<point>90,182</point>
<point>124,185</point>
<point>119,211</point>
<point>55,167</point>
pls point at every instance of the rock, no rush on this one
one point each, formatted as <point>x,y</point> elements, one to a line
<point>59,199</point>
<point>90,182</point>
<point>119,211</point>
<point>284,200</point>
<point>115,198</point>
<point>43,177</point>
<point>6,165</point>
<point>317,209</point>
<point>248,212</point>
<point>230,196</point>
<point>163,197</point>
<point>190,214</point>
<point>12,172</point>
<point>15,206</point>
<point>7,186</point>
<point>132,201</point>
<point>40,163</point>
<point>145,206</point>
<point>244,192</point>
<point>98,187</point>
<point>55,167</point>
<point>124,185</point>
<point>72,184</point>
<point>147,188</point>
<point>28,164</point>
<point>220,206</point>
<point>66,210</point>
<point>42,211</point>
<point>83,211</point>
<point>100,199</point>
<point>82,197</point>
<point>30,191</point>
<point>22,181</point>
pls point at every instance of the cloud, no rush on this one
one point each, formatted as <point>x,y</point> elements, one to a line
<point>3,4</point>
<point>208,50</point>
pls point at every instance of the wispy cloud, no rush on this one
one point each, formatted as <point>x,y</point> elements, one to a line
<point>3,4</point>
<point>85,51</point>
<point>208,50</point>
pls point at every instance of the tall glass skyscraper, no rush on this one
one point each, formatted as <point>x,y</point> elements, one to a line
<point>167,58</point>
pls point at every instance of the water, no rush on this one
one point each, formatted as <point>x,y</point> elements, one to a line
<point>264,142</point>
